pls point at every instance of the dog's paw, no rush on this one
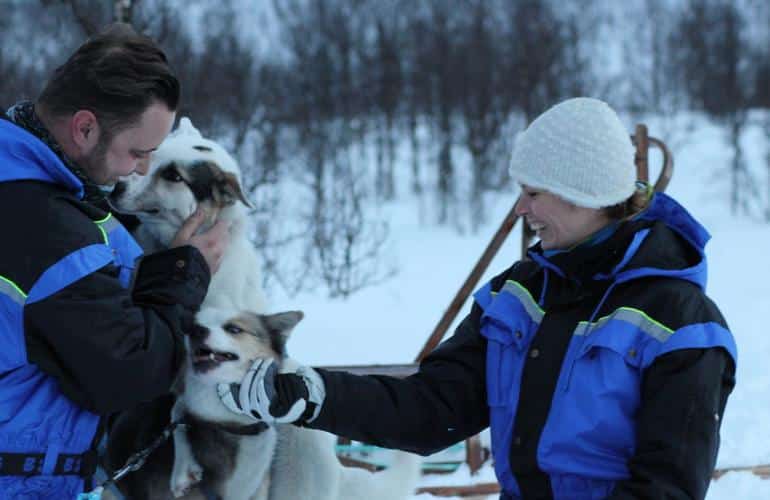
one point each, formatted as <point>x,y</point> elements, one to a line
<point>184,478</point>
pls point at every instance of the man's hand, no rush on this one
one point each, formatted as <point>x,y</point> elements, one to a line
<point>212,243</point>
<point>272,397</point>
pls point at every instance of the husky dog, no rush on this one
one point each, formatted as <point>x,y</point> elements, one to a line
<point>188,171</point>
<point>282,462</point>
<point>228,456</point>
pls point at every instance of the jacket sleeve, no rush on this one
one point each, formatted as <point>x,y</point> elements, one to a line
<point>111,348</point>
<point>443,403</point>
<point>683,399</point>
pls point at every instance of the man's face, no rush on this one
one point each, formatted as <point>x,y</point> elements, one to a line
<point>558,223</point>
<point>129,150</point>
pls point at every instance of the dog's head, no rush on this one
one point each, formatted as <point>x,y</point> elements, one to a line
<point>224,344</point>
<point>186,171</point>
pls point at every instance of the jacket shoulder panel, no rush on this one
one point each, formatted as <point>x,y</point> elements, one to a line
<point>672,302</point>
<point>47,225</point>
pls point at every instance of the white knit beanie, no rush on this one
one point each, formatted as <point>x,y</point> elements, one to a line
<point>578,150</point>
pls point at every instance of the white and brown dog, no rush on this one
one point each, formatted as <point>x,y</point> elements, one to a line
<point>186,172</point>
<point>283,462</point>
<point>226,455</point>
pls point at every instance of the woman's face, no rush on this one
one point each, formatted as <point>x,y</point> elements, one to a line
<point>559,224</point>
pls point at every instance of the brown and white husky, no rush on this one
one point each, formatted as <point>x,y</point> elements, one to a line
<point>218,453</point>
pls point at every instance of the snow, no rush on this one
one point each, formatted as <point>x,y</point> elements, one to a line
<point>389,323</point>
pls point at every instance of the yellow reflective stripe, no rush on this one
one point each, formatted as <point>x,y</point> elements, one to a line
<point>106,225</point>
<point>106,218</point>
<point>110,223</point>
<point>12,290</point>
<point>636,317</point>
<point>104,235</point>
<point>525,298</point>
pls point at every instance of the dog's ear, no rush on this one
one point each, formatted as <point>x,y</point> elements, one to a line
<point>282,323</point>
<point>230,189</point>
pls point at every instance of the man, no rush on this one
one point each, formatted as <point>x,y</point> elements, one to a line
<point>86,331</point>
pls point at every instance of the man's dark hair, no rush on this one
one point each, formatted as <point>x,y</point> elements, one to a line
<point>116,75</point>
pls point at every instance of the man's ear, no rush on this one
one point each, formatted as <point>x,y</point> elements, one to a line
<point>84,130</point>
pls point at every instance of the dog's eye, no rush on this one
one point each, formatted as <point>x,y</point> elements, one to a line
<point>171,174</point>
<point>234,329</point>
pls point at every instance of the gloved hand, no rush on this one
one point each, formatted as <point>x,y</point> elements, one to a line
<point>294,396</point>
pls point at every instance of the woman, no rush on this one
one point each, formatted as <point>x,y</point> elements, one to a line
<point>599,363</point>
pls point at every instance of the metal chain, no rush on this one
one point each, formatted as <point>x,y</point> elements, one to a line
<point>134,462</point>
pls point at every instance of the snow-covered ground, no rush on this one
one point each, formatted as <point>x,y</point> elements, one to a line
<point>390,323</point>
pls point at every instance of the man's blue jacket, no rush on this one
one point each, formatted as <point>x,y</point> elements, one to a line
<point>84,332</point>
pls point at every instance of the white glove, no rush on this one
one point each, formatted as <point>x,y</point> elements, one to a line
<point>284,398</point>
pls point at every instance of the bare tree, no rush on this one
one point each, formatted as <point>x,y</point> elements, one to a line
<point>123,10</point>
<point>444,82</point>
<point>18,78</point>
<point>89,15</point>
<point>387,93</point>
<point>535,66</point>
<point>347,242</point>
<point>646,64</point>
<point>485,103</point>
<point>767,161</point>
<point>54,36</point>
<point>711,52</point>
<point>417,90</point>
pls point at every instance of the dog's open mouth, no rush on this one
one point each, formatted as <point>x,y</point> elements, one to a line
<point>205,359</point>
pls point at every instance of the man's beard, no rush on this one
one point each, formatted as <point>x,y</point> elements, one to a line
<point>95,165</point>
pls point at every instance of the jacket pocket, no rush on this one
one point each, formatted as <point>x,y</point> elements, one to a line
<point>604,390</point>
<point>501,361</point>
<point>608,343</point>
<point>506,321</point>
<point>508,336</point>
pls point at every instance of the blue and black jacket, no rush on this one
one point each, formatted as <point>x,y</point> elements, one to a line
<point>602,371</point>
<point>85,332</point>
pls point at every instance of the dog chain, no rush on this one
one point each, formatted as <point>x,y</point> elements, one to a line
<point>134,463</point>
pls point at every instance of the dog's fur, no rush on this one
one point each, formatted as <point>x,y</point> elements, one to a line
<point>303,464</point>
<point>221,350</point>
<point>280,463</point>
<point>188,171</point>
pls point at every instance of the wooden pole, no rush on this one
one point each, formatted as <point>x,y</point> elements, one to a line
<point>642,143</point>
<point>470,282</point>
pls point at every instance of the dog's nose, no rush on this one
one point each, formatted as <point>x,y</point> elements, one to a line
<point>199,332</point>
<point>118,190</point>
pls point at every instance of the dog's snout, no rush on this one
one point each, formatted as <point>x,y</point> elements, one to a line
<point>199,332</point>
<point>118,190</point>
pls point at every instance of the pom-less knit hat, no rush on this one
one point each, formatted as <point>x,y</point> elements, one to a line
<point>578,150</point>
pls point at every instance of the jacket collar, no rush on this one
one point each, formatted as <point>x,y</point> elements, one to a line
<point>57,165</point>
<point>663,240</point>
<point>25,157</point>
